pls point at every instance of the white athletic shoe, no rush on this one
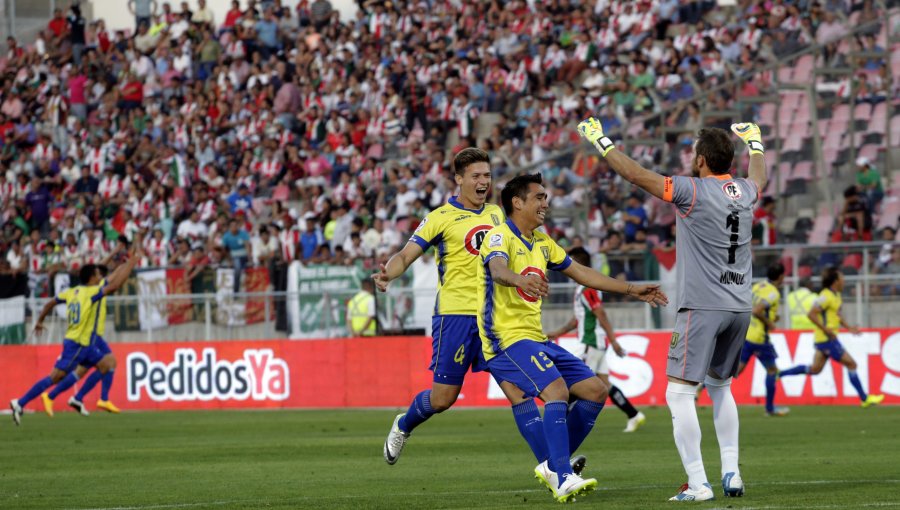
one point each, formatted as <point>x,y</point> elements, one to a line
<point>572,486</point>
<point>78,406</point>
<point>395,442</point>
<point>16,411</point>
<point>704,493</point>
<point>732,485</point>
<point>545,475</point>
<point>636,422</point>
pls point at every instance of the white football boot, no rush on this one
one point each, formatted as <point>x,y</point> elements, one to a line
<point>396,440</point>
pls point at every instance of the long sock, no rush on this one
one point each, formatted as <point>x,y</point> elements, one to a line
<point>770,392</point>
<point>686,429</point>
<point>557,434</point>
<point>419,411</point>
<point>88,385</point>
<point>799,369</point>
<point>531,426</point>
<point>63,385</point>
<point>725,416</point>
<point>106,384</point>
<point>35,390</point>
<point>854,380</point>
<point>621,401</point>
<point>580,420</point>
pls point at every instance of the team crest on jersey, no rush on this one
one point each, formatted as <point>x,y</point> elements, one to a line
<point>475,237</point>
<point>674,342</point>
<point>496,220</point>
<point>732,190</point>
<point>546,252</point>
<point>525,272</point>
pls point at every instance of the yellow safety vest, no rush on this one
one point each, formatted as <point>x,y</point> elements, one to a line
<point>800,302</point>
<point>358,312</point>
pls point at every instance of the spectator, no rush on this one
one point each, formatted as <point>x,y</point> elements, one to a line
<point>39,200</point>
<point>241,200</point>
<point>764,231</point>
<point>635,218</point>
<point>265,248</point>
<point>143,11</point>
<point>311,238</point>
<point>869,182</point>
<point>237,242</point>
<point>362,319</point>
<point>855,218</point>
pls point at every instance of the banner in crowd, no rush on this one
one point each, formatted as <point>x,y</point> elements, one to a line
<point>389,371</point>
<point>154,309</point>
<point>320,309</point>
<point>12,320</point>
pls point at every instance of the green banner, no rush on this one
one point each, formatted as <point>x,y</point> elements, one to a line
<point>12,320</point>
<point>320,316</point>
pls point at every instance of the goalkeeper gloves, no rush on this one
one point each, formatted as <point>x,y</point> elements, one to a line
<point>591,130</point>
<point>749,133</point>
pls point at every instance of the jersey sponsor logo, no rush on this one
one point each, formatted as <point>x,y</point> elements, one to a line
<point>525,272</point>
<point>732,190</point>
<point>732,278</point>
<point>258,375</point>
<point>475,237</point>
<point>421,225</point>
<point>460,218</point>
<point>495,241</point>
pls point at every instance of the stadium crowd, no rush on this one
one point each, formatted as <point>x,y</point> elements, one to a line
<point>290,134</point>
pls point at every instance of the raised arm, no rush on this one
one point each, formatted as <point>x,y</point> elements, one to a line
<point>121,274</point>
<point>651,182</point>
<point>749,133</point>
<point>589,278</point>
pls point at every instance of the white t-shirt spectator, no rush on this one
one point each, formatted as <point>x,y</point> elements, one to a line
<point>192,230</point>
<point>405,201</point>
<point>262,249</point>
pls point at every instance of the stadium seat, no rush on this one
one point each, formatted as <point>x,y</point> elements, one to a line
<point>878,123</point>
<point>803,171</point>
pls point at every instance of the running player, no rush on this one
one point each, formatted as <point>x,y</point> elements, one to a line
<point>715,213</point>
<point>516,258</point>
<point>827,317</point>
<point>81,313</point>
<point>104,369</point>
<point>766,300</point>
<point>597,335</point>
<point>456,230</point>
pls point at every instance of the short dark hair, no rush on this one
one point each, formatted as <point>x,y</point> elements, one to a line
<point>580,255</point>
<point>86,273</point>
<point>468,156</point>
<point>775,271</point>
<point>829,276</point>
<point>768,200</point>
<point>517,187</point>
<point>717,149</point>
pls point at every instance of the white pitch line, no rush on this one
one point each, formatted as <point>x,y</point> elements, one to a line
<point>810,507</point>
<point>520,491</point>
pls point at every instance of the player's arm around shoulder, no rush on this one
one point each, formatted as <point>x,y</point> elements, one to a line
<point>589,278</point>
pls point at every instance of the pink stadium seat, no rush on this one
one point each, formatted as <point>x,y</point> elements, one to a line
<point>863,111</point>
<point>830,155</point>
<point>869,151</point>
<point>803,67</point>
<point>878,124</point>
<point>823,127</point>
<point>767,114</point>
<point>803,171</point>
<point>841,112</point>
<point>785,74</point>
<point>793,142</point>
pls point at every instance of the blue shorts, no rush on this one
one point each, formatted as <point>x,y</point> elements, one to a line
<point>100,344</point>
<point>765,353</point>
<point>456,346</point>
<point>74,354</point>
<point>532,366</point>
<point>831,348</point>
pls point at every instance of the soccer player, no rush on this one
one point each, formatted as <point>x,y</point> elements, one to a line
<point>456,230</point>
<point>827,317</point>
<point>713,227</point>
<point>81,307</point>
<point>104,369</point>
<point>596,333</point>
<point>766,300</point>
<point>516,257</point>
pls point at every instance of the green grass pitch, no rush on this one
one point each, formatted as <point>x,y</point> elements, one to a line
<point>818,457</point>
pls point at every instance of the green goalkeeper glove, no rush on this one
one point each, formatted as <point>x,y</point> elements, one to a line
<point>749,133</point>
<point>591,130</point>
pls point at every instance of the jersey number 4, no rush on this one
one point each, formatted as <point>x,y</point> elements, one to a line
<point>733,222</point>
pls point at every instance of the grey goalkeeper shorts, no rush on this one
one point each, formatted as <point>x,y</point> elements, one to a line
<point>706,342</point>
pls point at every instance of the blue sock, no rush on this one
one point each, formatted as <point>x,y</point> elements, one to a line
<point>854,380</point>
<point>106,385</point>
<point>419,411</point>
<point>799,369</point>
<point>557,434</point>
<point>35,390</point>
<point>770,392</point>
<point>531,426</point>
<point>88,385</point>
<point>63,385</point>
<point>580,421</point>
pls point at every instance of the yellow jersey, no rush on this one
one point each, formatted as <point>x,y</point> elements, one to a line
<point>830,304</point>
<point>81,311</point>
<point>768,295</point>
<point>508,314</point>
<point>456,233</point>
<point>100,328</point>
